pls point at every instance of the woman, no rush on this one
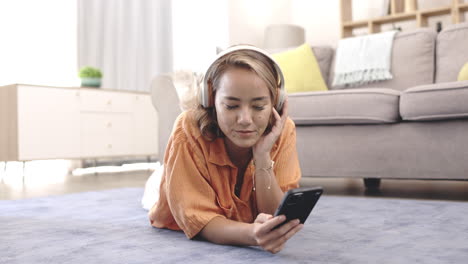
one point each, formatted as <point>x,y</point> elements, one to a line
<point>228,162</point>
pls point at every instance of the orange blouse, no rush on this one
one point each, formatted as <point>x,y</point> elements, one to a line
<point>199,179</point>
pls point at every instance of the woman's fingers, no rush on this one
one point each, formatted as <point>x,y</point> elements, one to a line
<point>271,223</point>
<point>285,109</point>
<point>274,240</point>
<point>262,218</point>
<point>284,229</point>
<point>267,233</point>
<point>278,244</point>
<point>279,122</point>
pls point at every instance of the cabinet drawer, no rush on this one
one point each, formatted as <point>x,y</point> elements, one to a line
<point>106,134</point>
<point>106,101</point>
<point>47,123</point>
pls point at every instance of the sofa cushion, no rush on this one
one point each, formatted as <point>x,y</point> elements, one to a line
<point>435,102</point>
<point>451,52</point>
<point>412,61</point>
<point>323,54</point>
<point>463,74</point>
<point>301,70</point>
<point>353,106</point>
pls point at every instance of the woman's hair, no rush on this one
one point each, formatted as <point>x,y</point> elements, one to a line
<point>250,60</point>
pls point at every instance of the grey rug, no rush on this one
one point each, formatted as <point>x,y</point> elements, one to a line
<point>110,227</point>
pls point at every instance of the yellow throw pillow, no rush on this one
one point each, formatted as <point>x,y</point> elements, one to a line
<point>301,70</point>
<point>463,75</point>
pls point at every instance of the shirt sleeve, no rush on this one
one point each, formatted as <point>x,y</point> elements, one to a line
<point>287,168</point>
<point>191,199</point>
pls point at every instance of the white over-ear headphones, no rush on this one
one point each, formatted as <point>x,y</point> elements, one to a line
<point>206,89</point>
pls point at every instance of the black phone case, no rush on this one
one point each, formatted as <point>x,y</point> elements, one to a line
<point>298,203</point>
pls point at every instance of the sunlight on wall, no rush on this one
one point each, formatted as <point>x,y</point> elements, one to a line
<point>198,27</point>
<point>39,42</point>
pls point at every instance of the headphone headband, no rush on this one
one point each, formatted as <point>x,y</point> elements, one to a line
<point>206,90</point>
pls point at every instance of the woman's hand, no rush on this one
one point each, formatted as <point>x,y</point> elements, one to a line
<point>273,240</point>
<point>266,142</point>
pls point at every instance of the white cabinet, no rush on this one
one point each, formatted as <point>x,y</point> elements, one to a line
<point>46,123</point>
<point>107,134</point>
<point>38,122</point>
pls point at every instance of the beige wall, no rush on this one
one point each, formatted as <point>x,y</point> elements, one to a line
<point>248,19</point>
<point>320,19</point>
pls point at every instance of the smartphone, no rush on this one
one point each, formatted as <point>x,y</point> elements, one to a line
<point>298,203</point>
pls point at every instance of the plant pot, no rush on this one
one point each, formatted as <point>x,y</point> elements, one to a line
<point>91,82</point>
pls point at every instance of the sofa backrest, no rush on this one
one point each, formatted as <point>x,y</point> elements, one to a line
<point>413,59</point>
<point>324,56</point>
<point>452,52</point>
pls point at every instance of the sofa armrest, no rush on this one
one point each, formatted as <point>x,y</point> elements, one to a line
<point>166,101</point>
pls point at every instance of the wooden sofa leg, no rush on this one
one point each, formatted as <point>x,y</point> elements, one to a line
<point>372,183</point>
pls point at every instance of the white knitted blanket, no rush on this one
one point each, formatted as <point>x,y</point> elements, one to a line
<point>365,59</point>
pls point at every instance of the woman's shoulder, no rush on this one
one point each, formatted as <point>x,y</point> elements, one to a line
<point>289,126</point>
<point>186,128</point>
<point>287,135</point>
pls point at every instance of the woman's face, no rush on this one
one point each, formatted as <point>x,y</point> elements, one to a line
<point>243,107</point>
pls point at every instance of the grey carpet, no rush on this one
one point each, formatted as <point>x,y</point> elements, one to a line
<point>110,227</point>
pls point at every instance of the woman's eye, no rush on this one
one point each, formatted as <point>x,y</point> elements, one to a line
<point>230,107</point>
<point>256,107</point>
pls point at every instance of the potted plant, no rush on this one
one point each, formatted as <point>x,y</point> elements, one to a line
<point>90,77</point>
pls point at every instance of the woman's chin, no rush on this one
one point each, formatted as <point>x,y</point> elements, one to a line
<point>244,143</point>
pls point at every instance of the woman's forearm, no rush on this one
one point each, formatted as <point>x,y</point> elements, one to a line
<point>267,191</point>
<point>227,232</point>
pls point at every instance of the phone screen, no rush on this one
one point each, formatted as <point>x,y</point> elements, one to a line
<point>298,203</point>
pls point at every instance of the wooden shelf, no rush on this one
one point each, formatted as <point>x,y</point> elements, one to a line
<point>436,11</point>
<point>395,18</point>
<point>463,7</point>
<point>356,24</point>
<point>456,10</point>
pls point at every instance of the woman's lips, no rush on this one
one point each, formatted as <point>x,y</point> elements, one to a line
<point>245,133</point>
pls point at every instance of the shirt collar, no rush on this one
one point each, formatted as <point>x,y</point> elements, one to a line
<point>218,154</point>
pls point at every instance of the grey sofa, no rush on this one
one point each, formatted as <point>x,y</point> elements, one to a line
<point>414,126</point>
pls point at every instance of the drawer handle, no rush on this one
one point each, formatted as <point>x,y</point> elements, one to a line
<point>109,102</point>
<point>109,146</point>
<point>109,124</point>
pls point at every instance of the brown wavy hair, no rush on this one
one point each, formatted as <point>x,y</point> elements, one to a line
<point>250,60</point>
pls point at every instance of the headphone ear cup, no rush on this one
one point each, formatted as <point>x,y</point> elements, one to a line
<point>205,95</point>
<point>280,100</point>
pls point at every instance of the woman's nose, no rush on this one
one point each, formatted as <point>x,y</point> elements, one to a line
<point>245,116</point>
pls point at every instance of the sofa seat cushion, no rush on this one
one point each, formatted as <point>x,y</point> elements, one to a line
<point>352,106</point>
<point>435,101</point>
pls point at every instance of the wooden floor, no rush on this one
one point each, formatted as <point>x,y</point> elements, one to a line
<point>35,186</point>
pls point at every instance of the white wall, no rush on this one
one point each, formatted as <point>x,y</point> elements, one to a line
<point>248,19</point>
<point>320,19</point>
<point>198,27</point>
<point>38,42</point>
